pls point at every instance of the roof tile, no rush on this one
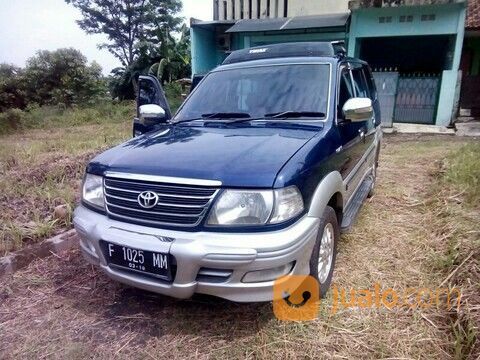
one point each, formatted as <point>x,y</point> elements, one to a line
<point>473,15</point>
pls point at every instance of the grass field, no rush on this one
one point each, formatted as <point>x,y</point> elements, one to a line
<point>420,230</point>
<point>42,167</point>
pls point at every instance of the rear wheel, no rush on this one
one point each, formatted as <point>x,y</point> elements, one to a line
<point>324,254</point>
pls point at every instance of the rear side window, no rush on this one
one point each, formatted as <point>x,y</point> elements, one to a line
<point>346,90</point>
<point>360,83</point>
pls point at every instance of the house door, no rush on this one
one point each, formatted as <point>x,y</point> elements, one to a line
<point>415,62</point>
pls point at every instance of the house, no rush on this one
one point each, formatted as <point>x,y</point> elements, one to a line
<point>413,46</point>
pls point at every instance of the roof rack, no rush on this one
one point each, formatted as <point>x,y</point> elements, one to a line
<point>297,49</point>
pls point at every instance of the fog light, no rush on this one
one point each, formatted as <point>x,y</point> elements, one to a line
<point>267,274</point>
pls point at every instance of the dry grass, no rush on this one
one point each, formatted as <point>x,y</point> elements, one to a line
<point>63,308</point>
<point>42,169</point>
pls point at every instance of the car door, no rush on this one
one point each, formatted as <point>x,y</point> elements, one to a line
<point>362,90</point>
<point>150,91</point>
<point>355,142</point>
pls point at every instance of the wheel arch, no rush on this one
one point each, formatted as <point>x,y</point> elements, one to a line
<point>329,192</point>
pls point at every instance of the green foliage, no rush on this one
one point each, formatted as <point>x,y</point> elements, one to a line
<point>463,171</point>
<point>63,77</point>
<point>173,92</point>
<point>127,22</point>
<point>58,116</point>
<point>170,58</point>
<point>50,117</point>
<point>10,120</point>
<point>139,34</point>
<point>12,92</point>
<point>175,56</point>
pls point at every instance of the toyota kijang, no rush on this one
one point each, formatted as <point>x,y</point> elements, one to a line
<point>254,178</point>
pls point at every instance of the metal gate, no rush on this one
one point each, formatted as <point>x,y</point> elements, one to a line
<point>416,100</point>
<point>407,98</point>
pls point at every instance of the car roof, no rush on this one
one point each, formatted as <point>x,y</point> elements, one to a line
<point>277,61</point>
<point>287,53</point>
<point>333,60</point>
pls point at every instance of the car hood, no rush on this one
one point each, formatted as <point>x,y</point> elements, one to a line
<point>247,156</point>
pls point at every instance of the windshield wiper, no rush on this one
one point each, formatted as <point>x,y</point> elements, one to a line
<point>294,114</point>
<point>226,115</point>
<point>185,121</point>
<point>218,115</point>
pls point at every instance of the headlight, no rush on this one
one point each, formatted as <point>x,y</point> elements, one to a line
<point>238,207</point>
<point>288,204</point>
<point>92,192</point>
<point>256,207</point>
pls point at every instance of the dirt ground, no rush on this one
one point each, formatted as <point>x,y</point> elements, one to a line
<point>60,307</point>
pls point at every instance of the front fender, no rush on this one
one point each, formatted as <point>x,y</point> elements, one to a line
<point>328,187</point>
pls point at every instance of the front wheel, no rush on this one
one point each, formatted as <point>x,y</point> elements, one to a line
<point>324,254</point>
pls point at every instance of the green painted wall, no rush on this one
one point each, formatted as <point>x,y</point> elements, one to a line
<point>449,19</point>
<point>206,56</point>
<point>203,50</point>
<point>258,39</point>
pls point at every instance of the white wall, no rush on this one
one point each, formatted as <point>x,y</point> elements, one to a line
<point>295,8</point>
<point>316,7</point>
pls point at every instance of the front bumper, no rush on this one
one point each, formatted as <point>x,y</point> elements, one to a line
<point>236,253</point>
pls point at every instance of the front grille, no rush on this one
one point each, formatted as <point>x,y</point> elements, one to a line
<point>178,205</point>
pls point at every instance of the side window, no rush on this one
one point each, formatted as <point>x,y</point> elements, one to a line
<point>345,90</point>
<point>147,92</point>
<point>360,83</point>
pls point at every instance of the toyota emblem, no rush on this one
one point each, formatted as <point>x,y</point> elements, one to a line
<point>147,199</point>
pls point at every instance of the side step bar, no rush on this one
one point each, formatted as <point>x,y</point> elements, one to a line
<point>351,212</point>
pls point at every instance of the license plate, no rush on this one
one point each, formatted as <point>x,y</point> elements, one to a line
<point>136,260</point>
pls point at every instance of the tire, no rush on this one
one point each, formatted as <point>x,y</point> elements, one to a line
<point>328,223</point>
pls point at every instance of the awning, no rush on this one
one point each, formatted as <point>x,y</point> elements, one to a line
<point>210,25</point>
<point>294,23</point>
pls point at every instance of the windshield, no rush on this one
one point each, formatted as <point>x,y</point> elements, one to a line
<point>258,91</point>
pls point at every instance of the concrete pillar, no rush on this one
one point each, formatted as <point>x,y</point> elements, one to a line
<point>221,10</point>
<point>279,8</point>
<point>352,40</point>
<point>229,10</point>
<point>450,78</point>
<point>263,9</point>
<point>246,10</point>
<point>254,8</point>
<point>238,9</point>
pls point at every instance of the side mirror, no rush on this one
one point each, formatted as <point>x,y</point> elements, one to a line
<point>151,114</point>
<point>358,109</point>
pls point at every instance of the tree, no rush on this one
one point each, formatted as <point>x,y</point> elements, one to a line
<point>174,55</point>
<point>170,58</point>
<point>127,22</point>
<point>62,76</point>
<point>12,89</point>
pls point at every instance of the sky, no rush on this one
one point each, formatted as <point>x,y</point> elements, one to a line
<point>31,25</point>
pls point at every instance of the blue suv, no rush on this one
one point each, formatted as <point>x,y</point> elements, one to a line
<point>269,158</point>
